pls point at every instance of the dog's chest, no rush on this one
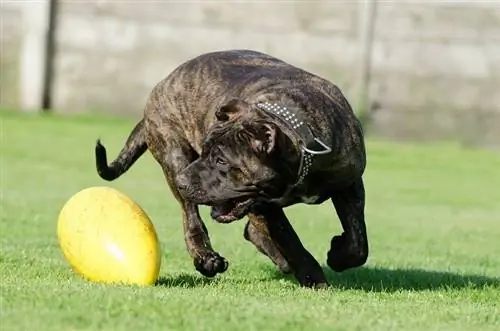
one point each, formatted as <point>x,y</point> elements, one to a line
<point>314,198</point>
<point>309,199</point>
<point>315,191</point>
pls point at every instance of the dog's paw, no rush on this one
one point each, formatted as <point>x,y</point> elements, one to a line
<point>343,254</point>
<point>312,278</point>
<point>211,264</point>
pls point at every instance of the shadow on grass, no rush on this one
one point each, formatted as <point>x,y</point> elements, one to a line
<point>184,280</point>
<point>393,280</point>
<point>364,278</point>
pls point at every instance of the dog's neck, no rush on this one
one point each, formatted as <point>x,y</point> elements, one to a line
<point>308,143</point>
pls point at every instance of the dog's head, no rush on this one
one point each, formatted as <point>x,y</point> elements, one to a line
<point>245,157</point>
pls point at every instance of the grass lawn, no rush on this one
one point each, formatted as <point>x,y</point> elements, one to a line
<point>433,214</point>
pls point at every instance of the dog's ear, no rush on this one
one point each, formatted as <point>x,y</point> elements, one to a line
<point>231,109</point>
<point>264,138</point>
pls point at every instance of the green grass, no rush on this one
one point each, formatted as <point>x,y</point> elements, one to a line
<point>433,214</point>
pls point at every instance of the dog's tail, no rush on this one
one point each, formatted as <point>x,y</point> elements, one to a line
<point>133,149</point>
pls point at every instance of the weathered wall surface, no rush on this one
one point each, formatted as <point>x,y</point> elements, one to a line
<point>435,73</point>
<point>116,51</point>
<point>10,45</point>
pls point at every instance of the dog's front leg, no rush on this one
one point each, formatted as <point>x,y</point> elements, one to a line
<point>305,268</point>
<point>349,250</point>
<point>257,233</point>
<point>174,154</point>
<point>205,259</point>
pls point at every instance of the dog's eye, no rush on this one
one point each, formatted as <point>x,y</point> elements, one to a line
<point>221,161</point>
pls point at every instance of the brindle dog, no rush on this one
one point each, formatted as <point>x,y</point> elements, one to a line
<point>249,134</point>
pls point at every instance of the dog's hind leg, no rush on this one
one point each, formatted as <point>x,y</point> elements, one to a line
<point>257,233</point>
<point>350,249</point>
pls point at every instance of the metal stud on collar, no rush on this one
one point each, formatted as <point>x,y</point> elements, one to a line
<point>305,166</point>
<point>283,112</point>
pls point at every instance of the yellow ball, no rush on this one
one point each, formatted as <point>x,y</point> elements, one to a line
<point>108,238</point>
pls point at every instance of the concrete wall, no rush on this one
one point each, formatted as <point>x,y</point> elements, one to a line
<point>116,51</point>
<point>435,66</point>
<point>436,71</point>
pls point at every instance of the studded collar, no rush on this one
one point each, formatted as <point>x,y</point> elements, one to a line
<point>299,125</point>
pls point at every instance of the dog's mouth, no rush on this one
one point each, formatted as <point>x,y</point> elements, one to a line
<point>230,211</point>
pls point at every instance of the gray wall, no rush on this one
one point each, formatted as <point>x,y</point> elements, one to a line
<point>117,51</point>
<point>436,71</point>
<point>435,66</point>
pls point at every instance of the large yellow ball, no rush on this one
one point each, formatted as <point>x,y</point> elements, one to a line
<point>108,238</point>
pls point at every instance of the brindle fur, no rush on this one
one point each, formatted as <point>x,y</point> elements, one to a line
<point>217,148</point>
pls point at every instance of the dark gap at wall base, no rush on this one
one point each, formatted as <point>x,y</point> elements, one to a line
<point>50,51</point>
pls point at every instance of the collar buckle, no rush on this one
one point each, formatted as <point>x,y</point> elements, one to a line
<point>298,124</point>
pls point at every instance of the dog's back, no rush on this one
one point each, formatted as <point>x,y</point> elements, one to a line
<point>189,96</point>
